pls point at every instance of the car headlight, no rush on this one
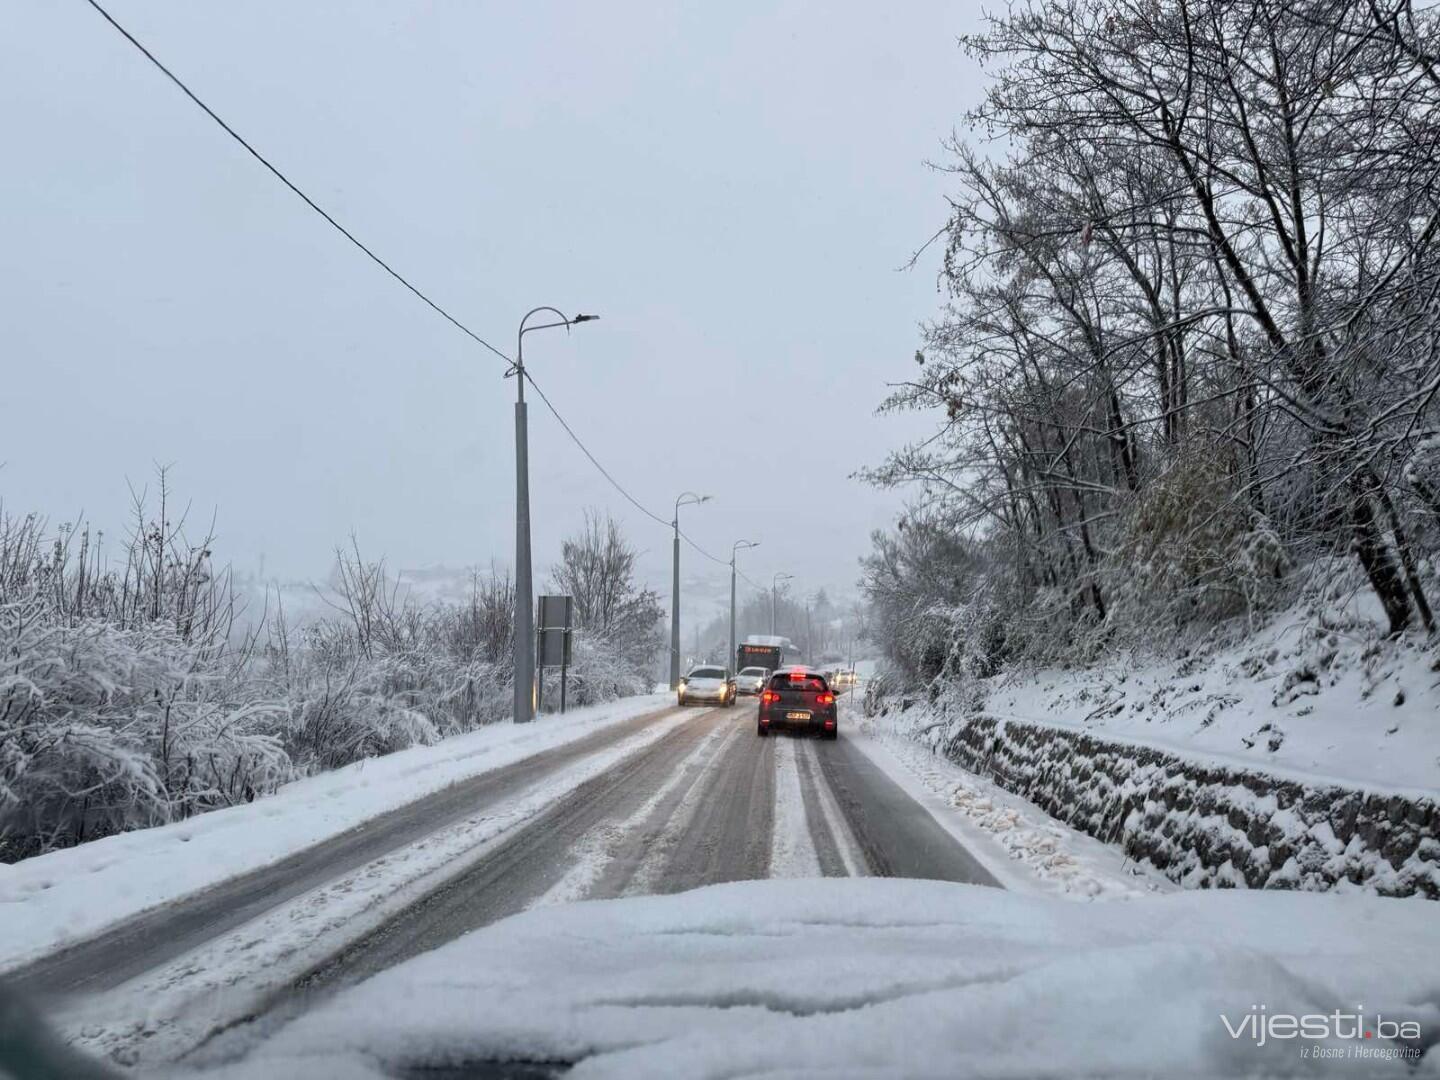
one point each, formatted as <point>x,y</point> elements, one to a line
<point>682,684</point>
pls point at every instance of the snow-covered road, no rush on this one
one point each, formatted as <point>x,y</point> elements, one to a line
<point>659,803</point>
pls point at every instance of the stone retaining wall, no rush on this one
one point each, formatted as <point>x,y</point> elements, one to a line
<point>1207,825</point>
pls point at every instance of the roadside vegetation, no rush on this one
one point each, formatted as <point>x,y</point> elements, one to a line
<point>139,685</point>
<point>1187,374</point>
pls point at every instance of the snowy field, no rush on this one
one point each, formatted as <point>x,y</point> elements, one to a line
<point>879,978</point>
<point>51,900</point>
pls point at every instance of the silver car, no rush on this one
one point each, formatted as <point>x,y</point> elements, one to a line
<point>751,680</point>
<point>710,684</point>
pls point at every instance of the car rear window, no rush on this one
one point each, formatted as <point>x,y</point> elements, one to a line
<point>794,681</point>
<point>707,673</point>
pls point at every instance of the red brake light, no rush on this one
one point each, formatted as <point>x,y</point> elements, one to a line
<point>769,697</point>
<point>797,674</point>
<point>827,699</point>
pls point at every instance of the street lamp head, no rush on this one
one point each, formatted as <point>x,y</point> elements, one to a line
<point>584,318</point>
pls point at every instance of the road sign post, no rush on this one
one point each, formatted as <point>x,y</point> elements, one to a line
<point>564,671</point>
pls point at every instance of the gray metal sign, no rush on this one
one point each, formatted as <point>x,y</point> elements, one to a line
<point>552,634</point>
<point>557,612</point>
<point>554,646</point>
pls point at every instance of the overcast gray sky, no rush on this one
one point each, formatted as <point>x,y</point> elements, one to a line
<point>731,186</point>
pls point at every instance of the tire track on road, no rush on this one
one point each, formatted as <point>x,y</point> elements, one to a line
<point>727,837</point>
<point>533,859</point>
<point>835,845</point>
<point>798,835</point>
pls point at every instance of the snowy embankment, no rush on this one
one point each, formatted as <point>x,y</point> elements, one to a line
<point>53,900</point>
<point>1308,757</point>
<point>889,977</point>
<point>1299,700</point>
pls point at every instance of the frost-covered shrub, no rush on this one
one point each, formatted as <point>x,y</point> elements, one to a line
<point>1422,476</point>
<point>617,620</point>
<point>341,706</point>
<point>389,672</point>
<point>104,728</point>
<point>877,689</point>
<point>599,671</point>
<point>129,698</point>
<point>1190,551</point>
<point>982,635</point>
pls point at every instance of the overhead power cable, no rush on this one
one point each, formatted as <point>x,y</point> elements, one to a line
<point>615,483</point>
<point>743,577</point>
<point>378,261</point>
<point>713,558</point>
<point>593,460</point>
<point>341,229</point>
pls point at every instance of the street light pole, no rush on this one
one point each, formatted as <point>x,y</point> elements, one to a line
<point>774,593</point>
<point>733,549</point>
<point>524,643</point>
<point>687,498</point>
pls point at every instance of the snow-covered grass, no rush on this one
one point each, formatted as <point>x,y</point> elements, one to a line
<point>882,978</point>
<point>52,900</point>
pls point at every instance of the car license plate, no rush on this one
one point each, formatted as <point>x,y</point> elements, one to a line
<point>797,716</point>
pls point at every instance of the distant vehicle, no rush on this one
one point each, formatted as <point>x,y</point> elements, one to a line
<point>749,654</point>
<point>798,699</point>
<point>842,677</point>
<point>712,684</point>
<point>751,680</point>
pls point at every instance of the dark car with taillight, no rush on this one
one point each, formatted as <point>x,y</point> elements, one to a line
<point>798,699</point>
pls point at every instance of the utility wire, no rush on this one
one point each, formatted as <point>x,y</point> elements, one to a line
<point>593,460</point>
<point>741,574</point>
<point>616,484</point>
<point>378,261</point>
<point>289,184</point>
<point>702,551</point>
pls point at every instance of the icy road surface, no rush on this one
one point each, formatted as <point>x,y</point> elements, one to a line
<point>663,802</point>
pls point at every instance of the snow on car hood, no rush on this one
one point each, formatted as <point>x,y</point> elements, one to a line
<point>882,978</point>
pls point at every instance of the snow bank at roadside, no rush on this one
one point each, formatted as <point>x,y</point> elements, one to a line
<point>880,978</point>
<point>52,900</point>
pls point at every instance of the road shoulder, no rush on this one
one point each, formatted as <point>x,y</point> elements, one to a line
<point>1018,843</point>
